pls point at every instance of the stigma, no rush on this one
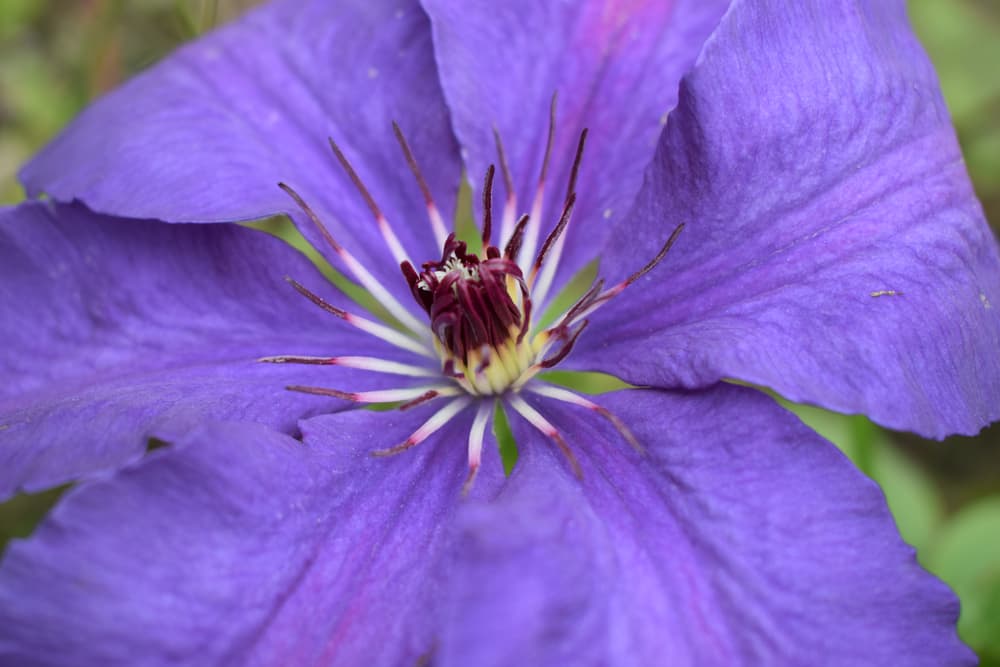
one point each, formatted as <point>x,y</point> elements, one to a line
<point>478,343</point>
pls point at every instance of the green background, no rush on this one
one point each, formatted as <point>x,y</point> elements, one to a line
<point>55,55</point>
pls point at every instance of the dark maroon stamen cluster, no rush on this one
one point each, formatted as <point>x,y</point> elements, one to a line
<point>467,299</point>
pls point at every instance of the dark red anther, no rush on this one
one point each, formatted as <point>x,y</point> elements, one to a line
<point>566,348</point>
<point>514,244</point>
<point>488,207</point>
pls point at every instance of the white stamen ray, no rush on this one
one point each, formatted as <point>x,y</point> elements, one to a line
<point>477,435</point>
<point>437,224</point>
<point>543,425</point>
<point>387,334</point>
<point>378,365</point>
<point>390,335</point>
<point>385,229</point>
<point>429,427</point>
<point>508,219</point>
<point>391,240</point>
<point>374,364</point>
<point>530,244</point>
<point>566,396</point>
<point>408,394</point>
<point>540,290</point>
<point>380,293</point>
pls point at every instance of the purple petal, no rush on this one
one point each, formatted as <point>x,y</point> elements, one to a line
<point>834,250</point>
<point>208,133</point>
<point>615,64</point>
<point>740,538</point>
<point>241,546</point>
<point>115,330</point>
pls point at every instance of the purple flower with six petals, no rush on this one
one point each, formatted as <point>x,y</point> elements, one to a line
<point>832,251</point>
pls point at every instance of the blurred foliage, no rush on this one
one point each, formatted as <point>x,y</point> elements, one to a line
<point>56,55</point>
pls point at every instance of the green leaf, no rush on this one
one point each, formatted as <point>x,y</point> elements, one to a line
<point>966,554</point>
<point>505,439</point>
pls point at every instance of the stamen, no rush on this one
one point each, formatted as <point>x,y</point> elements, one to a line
<point>553,334</point>
<point>378,396</point>
<point>514,245</point>
<point>488,207</point>
<point>541,288</point>
<point>357,269</point>
<point>567,396</point>
<point>391,240</point>
<point>374,364</point>
<point>476,436</point>
<point>588,298</point>
<point>659,256</point>
<point>387,334</point>
<point>541,424</point>
<point>531,236</point>
<point>290,359</point>
<point>565,349</point>
<point>553,237</point>
<point>510,207</point>
<point>577,161</point>
<point>437,223</point>
<point>620,287</point>
<point>429,427</point>
<point>419,400</point>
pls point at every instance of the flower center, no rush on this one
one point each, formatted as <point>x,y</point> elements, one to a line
<point>479,313</point>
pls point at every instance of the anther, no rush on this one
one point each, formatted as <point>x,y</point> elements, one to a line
<point>548,272</point>
<point>531,234</point>
<point>437,223</point>
<point>514,244</point>
<point>510,207</point>
<point>391,240</point>
<point>556,233</point>
<point>488,207</point>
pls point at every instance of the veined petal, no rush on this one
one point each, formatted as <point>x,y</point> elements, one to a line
<point>241,546</point>
<point>208,133</point>
<point>833,250</point>
<point>115,329</point>
<point>615,65</point>
<point>754,544</point>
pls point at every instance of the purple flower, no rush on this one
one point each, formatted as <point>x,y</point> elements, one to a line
<point>832,250</point>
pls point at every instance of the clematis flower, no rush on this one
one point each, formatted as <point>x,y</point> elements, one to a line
<point>831,250</point>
